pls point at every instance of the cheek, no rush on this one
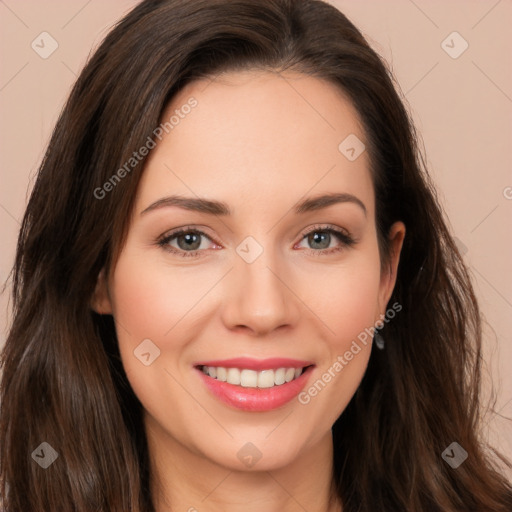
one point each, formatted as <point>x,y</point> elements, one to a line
<point>346,301</point>
<point>345,297</point>
<point>150,299</point>
<point>153,302</point>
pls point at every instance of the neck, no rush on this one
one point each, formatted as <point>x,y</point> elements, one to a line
<point>184,480</point>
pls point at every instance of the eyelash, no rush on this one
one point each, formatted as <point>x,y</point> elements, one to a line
<point>345,239</point>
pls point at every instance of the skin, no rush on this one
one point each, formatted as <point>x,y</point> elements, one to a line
<point>260,142</point>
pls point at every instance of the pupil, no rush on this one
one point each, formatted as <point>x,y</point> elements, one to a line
<point>318,238</point>
<point>190,238</point>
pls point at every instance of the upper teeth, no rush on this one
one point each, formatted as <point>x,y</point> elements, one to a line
<point>251,378</point>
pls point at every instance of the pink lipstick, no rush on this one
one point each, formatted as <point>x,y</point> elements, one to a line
<point>255,385</point>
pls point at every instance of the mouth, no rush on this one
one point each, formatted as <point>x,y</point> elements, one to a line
<point>251,385</point>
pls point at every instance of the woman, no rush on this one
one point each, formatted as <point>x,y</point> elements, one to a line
<point>234,287</point>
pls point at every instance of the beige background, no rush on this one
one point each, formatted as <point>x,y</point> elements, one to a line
<point>462,107</point>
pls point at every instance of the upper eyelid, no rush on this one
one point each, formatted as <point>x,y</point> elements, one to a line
<point>186,229</point>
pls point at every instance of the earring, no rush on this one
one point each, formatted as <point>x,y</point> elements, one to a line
<point>379,340</point>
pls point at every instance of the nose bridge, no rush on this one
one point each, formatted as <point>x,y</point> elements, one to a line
<point>260,299</point>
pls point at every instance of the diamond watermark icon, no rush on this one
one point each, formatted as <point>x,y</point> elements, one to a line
<point>45,455</point>
<point>146,352</point>
<point>351,147</point>
<point>454,45</point>
<point>44,45</point>
<point>460,246</point>
<point>454,455</point>
<point>249,455</point>
<point>249,249</point>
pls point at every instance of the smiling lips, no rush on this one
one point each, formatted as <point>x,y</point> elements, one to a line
<point>255,385</point>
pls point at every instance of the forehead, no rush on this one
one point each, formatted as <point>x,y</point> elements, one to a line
<point>255,135</point>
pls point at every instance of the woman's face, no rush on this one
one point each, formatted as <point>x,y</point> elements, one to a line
<point>257,274</point>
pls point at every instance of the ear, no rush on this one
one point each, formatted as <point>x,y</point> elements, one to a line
<point>100,301</point>
<point>396,237</point>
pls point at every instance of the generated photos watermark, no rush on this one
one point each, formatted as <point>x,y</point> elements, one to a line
<point>343,360</point>
<point>138,156</point>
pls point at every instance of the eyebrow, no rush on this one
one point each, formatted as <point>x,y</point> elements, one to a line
<point>213,207</point>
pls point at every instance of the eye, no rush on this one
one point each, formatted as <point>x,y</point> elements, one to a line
<point>321,237</point>
<point>189,242</point>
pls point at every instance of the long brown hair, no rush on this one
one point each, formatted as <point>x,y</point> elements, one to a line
<point>63,382</point>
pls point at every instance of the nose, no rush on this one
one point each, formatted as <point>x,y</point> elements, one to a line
<point>260,297</point>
